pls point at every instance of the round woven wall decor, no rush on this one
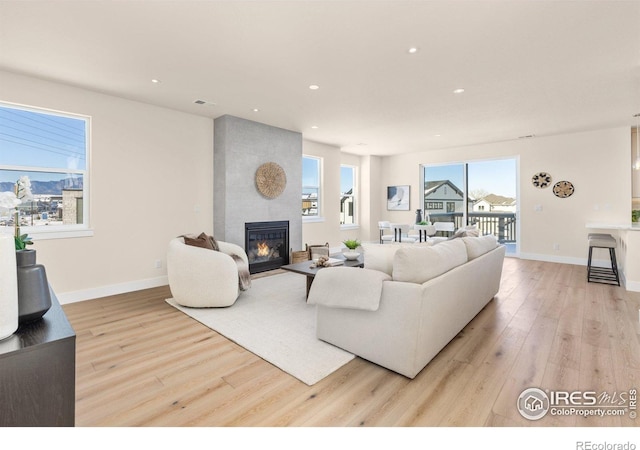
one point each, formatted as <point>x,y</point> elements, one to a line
<point>271,179</point>
<point>563,189</point>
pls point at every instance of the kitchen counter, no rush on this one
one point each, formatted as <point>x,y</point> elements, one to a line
<point>631,226</point>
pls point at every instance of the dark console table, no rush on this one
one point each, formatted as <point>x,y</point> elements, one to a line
<point>37,372</point>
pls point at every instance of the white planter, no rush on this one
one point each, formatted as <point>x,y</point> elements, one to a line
<point>350,255</point>
<point>8,287</point>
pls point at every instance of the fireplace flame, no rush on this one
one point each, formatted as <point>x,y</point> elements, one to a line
<point>263,249</point>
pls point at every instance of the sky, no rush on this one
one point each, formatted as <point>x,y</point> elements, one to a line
<point>40,140</point>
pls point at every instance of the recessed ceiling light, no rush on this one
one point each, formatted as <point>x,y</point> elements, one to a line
<point>155,81</point>
<point>314,87</point>
<point>437,135</point>
<point>458,91</point>
<point>413,50</point>
<point>315,127</point>
<point>255,110</point>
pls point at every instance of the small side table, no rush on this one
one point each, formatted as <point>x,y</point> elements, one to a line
<point>38,373</point>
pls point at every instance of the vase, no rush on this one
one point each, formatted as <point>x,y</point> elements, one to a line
<point>8,287</point>
<point>34,297</point>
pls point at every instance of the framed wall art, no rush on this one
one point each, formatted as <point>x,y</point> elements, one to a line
<point>398,198</point>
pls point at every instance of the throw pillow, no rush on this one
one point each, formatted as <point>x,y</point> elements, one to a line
<point>214,243</point>
<point>420,264</point>
<point>469,230</point>
<point>201,241</point>
<point>478,246</point>
<point>380,256</point>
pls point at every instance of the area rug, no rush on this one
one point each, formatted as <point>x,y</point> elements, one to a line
<point>273,321</point>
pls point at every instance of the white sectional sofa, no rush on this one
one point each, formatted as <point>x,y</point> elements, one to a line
<point>408,301</point>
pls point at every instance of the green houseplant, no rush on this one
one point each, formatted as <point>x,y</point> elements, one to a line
<point>351,253</point>
<point>351,244</point>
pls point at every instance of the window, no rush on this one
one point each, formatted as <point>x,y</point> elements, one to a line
<point>52,149</point>
<point>478,192</point>
<point>347,195</point>
<point>310,186</point>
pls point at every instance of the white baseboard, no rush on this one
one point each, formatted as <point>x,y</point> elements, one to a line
<point>629,285</point>
<point>113,289</point>
<point>633,286</point>
<point>560,259</point>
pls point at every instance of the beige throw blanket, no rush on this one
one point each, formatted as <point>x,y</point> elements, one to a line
<point>244,277</point>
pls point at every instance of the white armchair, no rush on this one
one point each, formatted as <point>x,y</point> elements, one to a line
<point>200,277</point>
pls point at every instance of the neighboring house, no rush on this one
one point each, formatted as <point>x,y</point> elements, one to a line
<point>347,211</point>
<point>495,203</point>
<point>442,197</point>
<point>310,204</point>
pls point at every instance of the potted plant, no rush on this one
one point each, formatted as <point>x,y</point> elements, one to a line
<point>351,252</point>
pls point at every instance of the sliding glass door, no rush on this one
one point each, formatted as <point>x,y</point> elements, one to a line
<point>481,193</point>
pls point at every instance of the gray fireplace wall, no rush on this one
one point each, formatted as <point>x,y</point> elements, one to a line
<point>240,147</point>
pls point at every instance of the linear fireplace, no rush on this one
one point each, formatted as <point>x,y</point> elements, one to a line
<point>266,245</point>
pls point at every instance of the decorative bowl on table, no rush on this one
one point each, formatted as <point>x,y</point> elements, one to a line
<point>351,255</point>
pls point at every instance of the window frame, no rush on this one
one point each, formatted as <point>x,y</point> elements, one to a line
<point>353,195</point>
<point>58,231</point>
<point>318,216</point>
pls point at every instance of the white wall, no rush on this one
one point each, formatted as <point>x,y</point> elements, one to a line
<point>151,179</point>
<point>371,210</point>
<point>596,162</point>
<point>327,228</point>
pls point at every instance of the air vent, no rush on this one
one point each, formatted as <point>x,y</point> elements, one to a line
<point>204,102</point>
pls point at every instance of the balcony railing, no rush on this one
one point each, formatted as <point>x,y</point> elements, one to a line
<point>500,224</point>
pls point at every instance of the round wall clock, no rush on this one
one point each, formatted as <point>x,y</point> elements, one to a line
<point>563,189</point>
<point>541,180</point>
<point>270,179</point>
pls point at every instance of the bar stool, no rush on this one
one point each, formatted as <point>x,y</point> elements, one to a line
<point>603,274</point>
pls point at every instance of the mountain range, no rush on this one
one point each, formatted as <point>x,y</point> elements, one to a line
<point>46,187</point>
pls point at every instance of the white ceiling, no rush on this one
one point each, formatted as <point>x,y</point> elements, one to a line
<point>527,67</point>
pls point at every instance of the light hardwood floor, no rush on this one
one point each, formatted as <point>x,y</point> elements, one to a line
<point>141,362</point>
